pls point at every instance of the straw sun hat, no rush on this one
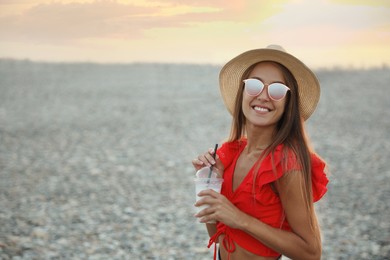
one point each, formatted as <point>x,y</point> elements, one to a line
<point>230,77</point>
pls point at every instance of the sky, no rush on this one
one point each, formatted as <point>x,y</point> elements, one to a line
<point>322,33</point>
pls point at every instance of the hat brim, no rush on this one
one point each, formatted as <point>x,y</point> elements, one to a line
<point>231,75</point>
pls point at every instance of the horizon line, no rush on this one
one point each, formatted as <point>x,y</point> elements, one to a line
<point>114,63</point>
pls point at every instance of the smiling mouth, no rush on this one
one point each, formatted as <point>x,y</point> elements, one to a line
<point>261,109</point>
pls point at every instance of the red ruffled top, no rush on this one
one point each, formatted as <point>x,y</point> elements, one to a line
<point>264,204</point>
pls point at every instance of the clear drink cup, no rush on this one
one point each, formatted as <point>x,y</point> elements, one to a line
<point>202,182</point>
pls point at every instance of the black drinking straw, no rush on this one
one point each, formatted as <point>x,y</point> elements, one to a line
<point>211,167</point>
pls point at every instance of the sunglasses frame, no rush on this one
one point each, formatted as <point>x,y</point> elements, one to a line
<point>263,87</point>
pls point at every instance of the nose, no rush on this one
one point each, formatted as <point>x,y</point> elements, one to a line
<point>263,94</point>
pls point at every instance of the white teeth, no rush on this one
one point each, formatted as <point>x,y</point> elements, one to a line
<point>262,109</point>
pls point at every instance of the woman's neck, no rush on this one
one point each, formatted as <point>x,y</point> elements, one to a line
<point>258,138</point>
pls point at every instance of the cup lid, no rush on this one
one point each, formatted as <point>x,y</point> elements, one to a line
<point>204,173</point>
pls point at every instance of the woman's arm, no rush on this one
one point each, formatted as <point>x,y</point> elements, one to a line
<point>211,229</point>
<point>304,240</point>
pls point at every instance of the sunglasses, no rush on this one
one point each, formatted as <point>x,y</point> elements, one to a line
<point>276,91</point>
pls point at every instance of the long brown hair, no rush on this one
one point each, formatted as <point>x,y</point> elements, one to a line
<point>289,131</point>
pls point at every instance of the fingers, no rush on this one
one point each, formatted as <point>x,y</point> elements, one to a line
<point>211,212</point>
<point>197,163</point>
<point>209,192</point>
<point>209,198</point>
<point>210,156</point>
<point>209,208</point>
<point>205,159</point>
<point>206,215</point>
<point>216,206</point>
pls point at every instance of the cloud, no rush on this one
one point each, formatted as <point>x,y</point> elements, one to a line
<point>59,22</point>
<point>333,23</point>
<point>11,2</point>
<point>62,22</point>
<point>383,3</point>
<point>187,30</point>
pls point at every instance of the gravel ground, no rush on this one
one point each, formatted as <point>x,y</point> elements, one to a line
<point>95,160</point>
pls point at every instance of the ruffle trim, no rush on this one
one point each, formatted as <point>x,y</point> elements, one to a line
<point>266,174</point>
<point>318,178</point>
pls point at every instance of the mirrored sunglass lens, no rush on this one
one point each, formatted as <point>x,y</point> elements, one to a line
<point>253,86</point>
<point>277,91</point>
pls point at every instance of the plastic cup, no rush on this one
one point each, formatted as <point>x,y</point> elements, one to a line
<point>205,184</point>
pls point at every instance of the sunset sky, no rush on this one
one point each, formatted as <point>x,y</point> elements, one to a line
<point>323,33</point>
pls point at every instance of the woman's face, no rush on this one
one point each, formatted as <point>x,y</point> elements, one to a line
<point>261,110</point>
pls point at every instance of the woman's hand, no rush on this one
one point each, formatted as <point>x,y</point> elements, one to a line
<point>220,209</point>
<point>206,160</point>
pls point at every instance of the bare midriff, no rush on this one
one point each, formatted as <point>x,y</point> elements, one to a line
<point>240,253</point>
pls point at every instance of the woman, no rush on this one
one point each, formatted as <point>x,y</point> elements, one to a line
<point>271,175</point>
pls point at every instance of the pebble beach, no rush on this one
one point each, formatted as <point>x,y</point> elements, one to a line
<point>95,159</point>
